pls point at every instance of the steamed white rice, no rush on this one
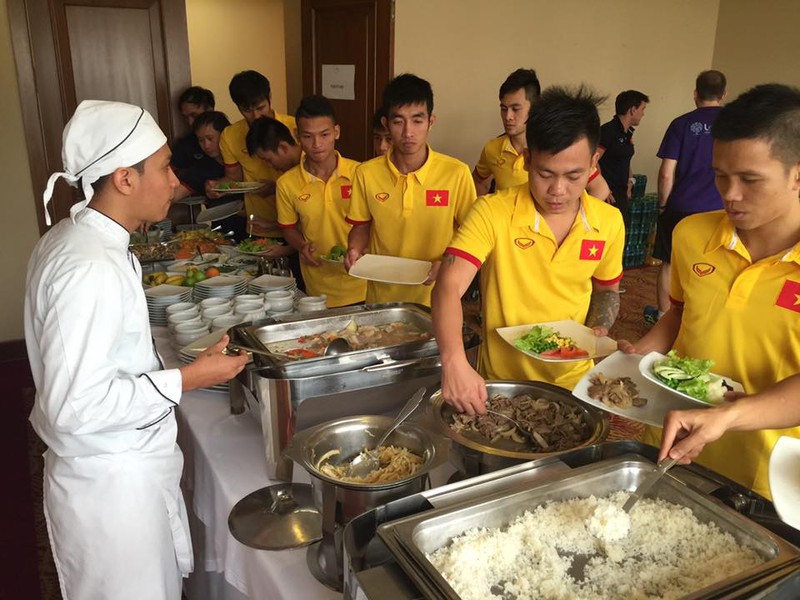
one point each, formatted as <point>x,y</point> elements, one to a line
<point>667,553</point>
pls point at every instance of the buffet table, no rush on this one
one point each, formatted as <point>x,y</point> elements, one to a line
<point>224,461</point>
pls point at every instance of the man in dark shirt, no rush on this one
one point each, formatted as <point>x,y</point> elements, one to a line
<point>685,179</point>
<point>616,148</point>
<point>186,151</point>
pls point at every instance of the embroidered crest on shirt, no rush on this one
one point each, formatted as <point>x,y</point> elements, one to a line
<point>789,296</point>
<point>346,191</point>
<point>524,243</point>
<point>702,269</point>
<point>382,197</point>
<point>304,197</point>
<point>592,249</point>
<point>437,197</point>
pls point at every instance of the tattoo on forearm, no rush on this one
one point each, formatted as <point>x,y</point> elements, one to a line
<point>603,309</point>
<point>449,259</point>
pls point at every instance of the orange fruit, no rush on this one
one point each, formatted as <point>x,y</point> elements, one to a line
<point>212,272</point>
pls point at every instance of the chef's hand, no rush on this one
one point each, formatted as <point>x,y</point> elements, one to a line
<point>307,254</point>
<point>433,273</point>
<point>213,367</point>
<point>686,432</point>
<point>352,257</point>
<point>463,388</point>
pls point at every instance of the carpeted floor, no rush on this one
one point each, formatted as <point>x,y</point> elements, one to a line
<point>640,291</point>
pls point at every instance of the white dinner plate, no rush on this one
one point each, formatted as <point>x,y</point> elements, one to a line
<point>784,480</point>
<point>659,400</point>
<point>202,344</point>
<point>331,261</point>
<point>391,269</point>
<point>165,290</point>
<point>584,338</point>
<point>241,187</point>
<point>646,369</point>
<point>221,211</point>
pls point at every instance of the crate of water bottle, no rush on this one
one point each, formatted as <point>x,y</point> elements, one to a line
<point>639,186</point>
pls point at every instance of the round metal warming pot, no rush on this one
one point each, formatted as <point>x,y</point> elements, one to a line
<point>351,435</point>
<point>474,455</point>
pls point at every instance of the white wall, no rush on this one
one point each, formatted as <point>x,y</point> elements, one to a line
<point>226,37</point>
<point>466,48</point>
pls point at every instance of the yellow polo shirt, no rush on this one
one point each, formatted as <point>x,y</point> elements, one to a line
<point>318,209</point>
<point>413,216</point>
<point>742,315</point>
<point>233,146</point>
<point>500,160</point>
<point>527,278</point>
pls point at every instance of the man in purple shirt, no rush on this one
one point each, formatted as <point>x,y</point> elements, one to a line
<point>685,179</point>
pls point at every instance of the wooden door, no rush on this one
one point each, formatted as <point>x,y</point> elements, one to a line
<point>134,51</point>
<point>350,32</point>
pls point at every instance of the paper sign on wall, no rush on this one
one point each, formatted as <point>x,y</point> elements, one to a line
<point>338,82</point>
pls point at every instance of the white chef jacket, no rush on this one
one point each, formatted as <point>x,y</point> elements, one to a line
<point>104,406</point>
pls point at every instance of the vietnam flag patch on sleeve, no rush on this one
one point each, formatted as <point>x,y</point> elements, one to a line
<point>592,249</point>
<point>789,296</point>
<point>437,197</point>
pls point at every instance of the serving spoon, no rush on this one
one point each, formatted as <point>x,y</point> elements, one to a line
<point>366,462</point>
<point>337,346</point>
<point>516,423</point>
<point>648,482</point>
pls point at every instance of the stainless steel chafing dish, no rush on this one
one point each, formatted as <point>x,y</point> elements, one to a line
<point>289,395</point>
<point>384,547</point>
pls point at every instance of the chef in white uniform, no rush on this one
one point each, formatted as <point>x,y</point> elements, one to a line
<point>104,403</point>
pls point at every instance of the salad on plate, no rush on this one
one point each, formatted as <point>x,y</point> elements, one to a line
<point>546,341</point>
<point>691,376</point>
<point>336,254</point>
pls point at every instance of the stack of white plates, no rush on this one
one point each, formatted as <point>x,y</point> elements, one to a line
<point>271,283</point>
<point>189,353</point>
<point>160,297</point>
<point>224,286</point>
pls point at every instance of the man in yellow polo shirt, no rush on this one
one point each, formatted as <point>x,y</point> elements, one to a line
<point>410,201</point>
<point>547,251</point>
<point>251,93</point>
<point>735,289</point>
<point>502,160</point>
<point>313,199</point>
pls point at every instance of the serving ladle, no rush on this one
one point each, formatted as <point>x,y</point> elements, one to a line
<point>337,346</point>
<point>648,482</point>
<point>368,461</point>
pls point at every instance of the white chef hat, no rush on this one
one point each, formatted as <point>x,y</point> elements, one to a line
<point>99,138</point>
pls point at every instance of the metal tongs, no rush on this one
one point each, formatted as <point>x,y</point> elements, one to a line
<point>649,481</point>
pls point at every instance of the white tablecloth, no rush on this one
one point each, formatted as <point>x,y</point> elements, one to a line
<point>224,461</point>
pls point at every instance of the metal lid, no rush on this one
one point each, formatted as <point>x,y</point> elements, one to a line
<point>276,518</point>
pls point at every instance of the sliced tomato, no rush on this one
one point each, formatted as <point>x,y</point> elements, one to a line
<point>565,352</point>
<point>302,353</point>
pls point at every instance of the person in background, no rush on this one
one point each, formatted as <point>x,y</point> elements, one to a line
<point>251,93</point>
<point>381,138</point>
<point>408,202</point>
<point>501,160</point>
<point>105,404</point>
<point>685,179</point>
<point>193,102</point>
<point>271,141</point>
<point>616,148</point>
<point>735,285</point>
<point>313,199</point>
<point>207,129</point>
<point>547,251</point>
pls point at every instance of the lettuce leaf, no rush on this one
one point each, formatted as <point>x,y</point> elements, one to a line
<point>690,376</point>
<point>534,340</point>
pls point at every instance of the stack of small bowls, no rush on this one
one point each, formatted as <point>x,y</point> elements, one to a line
<point>250,307</point>
<point>218,313</point>
<point>185,323</point>
<point>312,303</point>
<point>281,302</point>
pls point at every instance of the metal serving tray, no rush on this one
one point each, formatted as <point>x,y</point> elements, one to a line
<point>411,538</point>
<point>271,337</point>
